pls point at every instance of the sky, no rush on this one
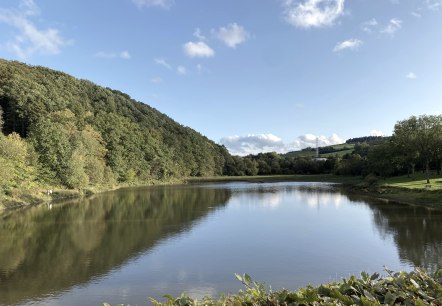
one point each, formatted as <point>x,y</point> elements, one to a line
<point>256,76</point>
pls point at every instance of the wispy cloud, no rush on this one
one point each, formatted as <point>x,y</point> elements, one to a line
<point>350,44</point>
<point>433,4</point>
<point>166,4</point>
<point>376,133</point>
<point>181,70</point>
<point>416,14</point>
<point>254,144</point>
<point>29,39</point>
<point>198,34</point>
<point>113,55</point>
<point>232,35</point>
<point>156,80</point>
<point>313,13</point>
<point>163,62</point>
<point>393,26</point>
<point>369,25</point>
<point>198,49</point>
<point>411,76</point>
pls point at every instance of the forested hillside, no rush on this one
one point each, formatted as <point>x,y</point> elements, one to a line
<point>59,130</point>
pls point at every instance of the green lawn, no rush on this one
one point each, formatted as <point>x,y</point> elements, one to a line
<point>417,182</point>
<point>338,153</point>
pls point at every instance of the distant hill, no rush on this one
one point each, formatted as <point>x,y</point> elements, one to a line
<point>340,149</point>
<point>77,133</point>
<point>367,139</point>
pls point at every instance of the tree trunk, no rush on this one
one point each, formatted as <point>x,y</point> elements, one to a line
<point>427,170</point>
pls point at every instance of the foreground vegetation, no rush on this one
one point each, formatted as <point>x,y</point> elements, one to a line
<point>417,288</point>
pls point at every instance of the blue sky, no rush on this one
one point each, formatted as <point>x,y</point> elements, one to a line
<point>268,75</point>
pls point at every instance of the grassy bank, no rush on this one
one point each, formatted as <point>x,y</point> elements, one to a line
<point>416,288</point>
<point>19,198</point>
<point>409,190</point>
<point>401,189</point>
<point>416,182</point>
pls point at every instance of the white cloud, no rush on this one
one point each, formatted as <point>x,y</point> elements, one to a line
<point>411,76</point>
<point>198,49</point>
<point>163,62</point>
<point>393,26</point>
<point>369,25</point>
<point>309,140</point>
<point>313,13</point>
<point>125,55</point>
<point>232,35</point>
<point>254,144</point>
<point>149,3</point>
<point>350,44</point>
<point>199,68</point>
<point>416,14</point>
<point>376,133</point>
<point>29,39</point>
<point>181,70</point>
<point>28,7</point>
<point>113,55</point>
<point>433,4</point>
<point>198,34</point>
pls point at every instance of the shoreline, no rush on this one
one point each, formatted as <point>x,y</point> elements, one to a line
<point>355,185</point>
<point>61,195</point>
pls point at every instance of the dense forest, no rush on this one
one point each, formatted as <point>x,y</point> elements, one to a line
<point>62,131</point>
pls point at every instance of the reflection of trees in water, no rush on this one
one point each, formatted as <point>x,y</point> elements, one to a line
<point>416,231</point>
<point>270,195</point>
<point>44,251</point>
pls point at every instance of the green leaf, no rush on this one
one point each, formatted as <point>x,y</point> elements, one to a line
<point>247,279</point>
<point>369,296</point>
<point>390,298</point>
<point>419,302</point>
<point>238,277</point>
<point>415,284</point>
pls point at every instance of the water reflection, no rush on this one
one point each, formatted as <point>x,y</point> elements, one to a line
<point>153,241</point>
<point>48,249</point>
<point>416,231</point>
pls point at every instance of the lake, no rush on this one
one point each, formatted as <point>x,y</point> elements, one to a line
<point>127,245</point>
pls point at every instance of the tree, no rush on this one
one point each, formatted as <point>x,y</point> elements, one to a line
<point>421,135</point>
<point>381,159</point>
<point>1,119</point>
<point>404,133</point>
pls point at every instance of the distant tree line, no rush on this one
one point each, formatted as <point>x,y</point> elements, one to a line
<point>416,144</point>
<point>366,139</point>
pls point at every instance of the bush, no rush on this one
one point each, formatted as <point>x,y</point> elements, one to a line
<point>401,288</point>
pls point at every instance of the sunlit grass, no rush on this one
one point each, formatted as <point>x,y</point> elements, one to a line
<point>418,181</point>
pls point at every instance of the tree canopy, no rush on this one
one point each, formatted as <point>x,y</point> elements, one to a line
<point>83,134</point>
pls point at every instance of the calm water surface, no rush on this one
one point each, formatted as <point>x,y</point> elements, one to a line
<point>123,246</point>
